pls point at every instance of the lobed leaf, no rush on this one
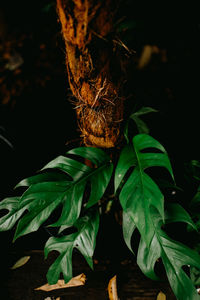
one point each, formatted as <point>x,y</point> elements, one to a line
<point>140,192</point>
<point>70,166</point>
<point>84,240</point>
<point>95,155</point>
<point>42,177</point>
<point>128,227</point>
<point>176,213</point>
<point>40,200</point>
<point>99,176</point>
<point>14,213</point>
<point>174,256</point>
<point>141,125</point>
<point>62,182</point>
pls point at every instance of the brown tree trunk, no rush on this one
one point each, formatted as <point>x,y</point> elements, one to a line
<point>93,68</point>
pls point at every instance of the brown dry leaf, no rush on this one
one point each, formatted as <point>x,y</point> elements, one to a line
<point>112,288</point>
<point>75,281</point>
<point>161,296</point>
<point>49,298</point>
<point>22,261</point>
<point>146,55</point>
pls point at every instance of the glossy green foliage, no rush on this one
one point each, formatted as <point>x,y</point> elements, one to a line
<point>136,117</point>
<point>47,191</point>
<point>84,240</point>
<point>10,218</point>
<point>195,207</point>
<point>77,182</point>
<point>174,255</point>
<point>143,208</point>
<point>195,211</point>
<point>139,192</point>
<point>63,182</point>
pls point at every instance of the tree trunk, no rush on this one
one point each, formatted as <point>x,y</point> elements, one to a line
<point>93,69</point>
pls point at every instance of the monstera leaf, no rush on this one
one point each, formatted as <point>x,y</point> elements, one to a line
<point>136,117</point>
<point>8,221</point>
<point>84,240</point>
<point>128,227</point>
<point>52,188</point>
<point>139,191</point>
<point>174,255</point>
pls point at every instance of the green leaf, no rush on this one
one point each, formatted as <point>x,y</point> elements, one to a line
<point>126,161</point>
<point>99,176</point>
<point>196,199</point>
<point>40,200</point>
<point>70,166</point>
<point>42,177</point>
<point>126,25</point>
<point>128,227</point>
<point>84,240</point>
<point>193,170</point>
<point>176,213</point>
<point>14,213</point>
<point>174,256</point>
<point>194,208</point>
<point>140,192</point>
<point>143,111</point>
<point>141,125</point>
<point>50,189</point>
<point>95,155</point>
<point>195,275</point>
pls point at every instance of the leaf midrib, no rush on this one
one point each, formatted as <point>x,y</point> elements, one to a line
<point>84,178</point>
<point>74,182</point>
<point>93,171</point>
<point>141,175</point>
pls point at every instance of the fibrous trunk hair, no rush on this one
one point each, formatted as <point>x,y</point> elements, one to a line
<point>93,70</point>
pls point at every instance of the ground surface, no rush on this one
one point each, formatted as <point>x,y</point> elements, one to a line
<point>132,284</point>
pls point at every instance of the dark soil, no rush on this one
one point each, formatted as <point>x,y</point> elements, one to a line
<point>131,283</point>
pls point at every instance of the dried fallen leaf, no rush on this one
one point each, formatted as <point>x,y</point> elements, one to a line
<point>75,281</point>
<point>161,296</point>
<point>112,288</point>
<point>22,261</point>
<point>49,298</point>
<point>146,55</point>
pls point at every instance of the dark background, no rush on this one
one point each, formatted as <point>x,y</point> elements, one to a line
<point>36,114</point>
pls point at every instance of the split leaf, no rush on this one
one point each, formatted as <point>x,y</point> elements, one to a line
<point>14,213</point>
<point>84,240</point>
<point>62,182</point>
<point>174,256</point>
<point>140,192</point>
<point>136,117</point>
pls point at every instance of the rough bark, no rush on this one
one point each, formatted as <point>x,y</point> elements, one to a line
<point>93,69</point>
